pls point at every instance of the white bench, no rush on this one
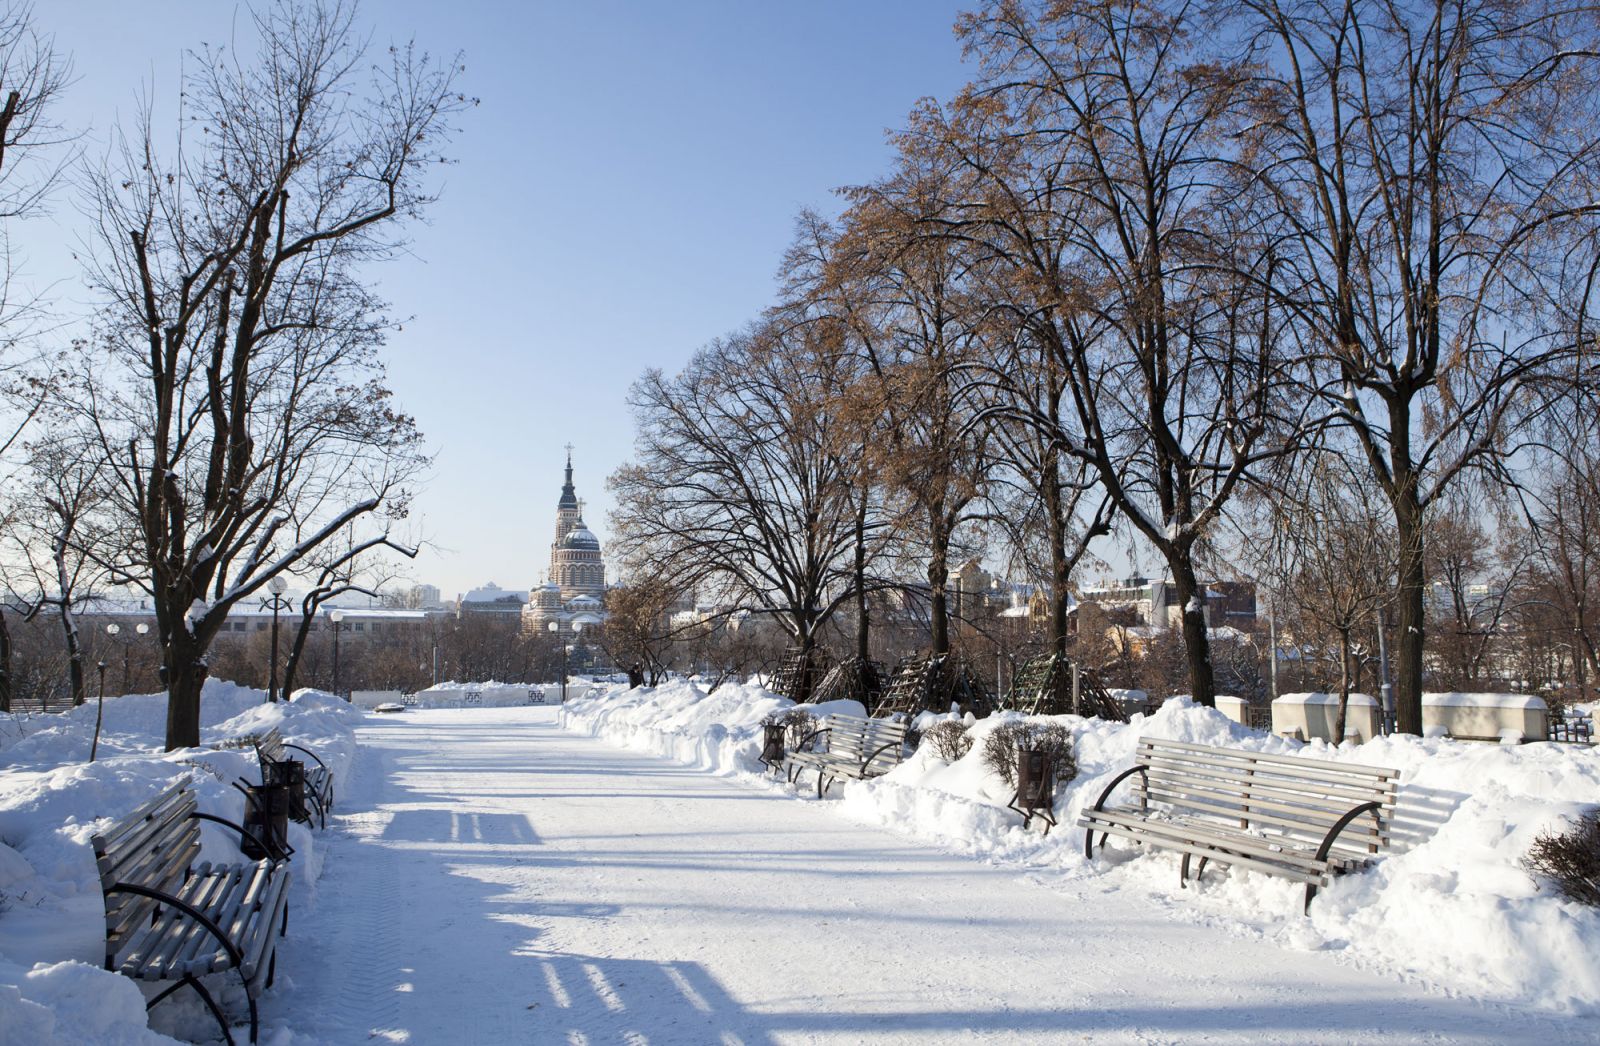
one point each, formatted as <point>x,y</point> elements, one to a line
<point>856,748</point>
<point>168,919</point>
<point>1301,819</point>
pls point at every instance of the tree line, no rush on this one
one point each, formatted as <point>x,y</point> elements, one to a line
<point>1293,290</point>
<point>220,417</point>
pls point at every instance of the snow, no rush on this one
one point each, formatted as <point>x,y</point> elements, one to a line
<point>1450,904</point>
<point>52,800</point>
<point>1460,700</point>
<point>573,885</point>
<point>1320,698</point>
<point>577,892</point>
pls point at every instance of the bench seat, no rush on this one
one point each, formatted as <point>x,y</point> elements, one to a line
<point>856,749</point>
<point>1305,820</point>
<point>169,919</point>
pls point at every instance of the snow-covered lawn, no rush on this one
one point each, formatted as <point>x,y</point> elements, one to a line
<point>492,877</point>
<point>52,920</point>
<point>1451,904</point>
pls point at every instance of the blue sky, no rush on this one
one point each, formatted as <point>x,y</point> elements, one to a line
<point>623,195</point>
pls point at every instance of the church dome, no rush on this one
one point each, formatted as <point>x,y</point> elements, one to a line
<point>581,537</point>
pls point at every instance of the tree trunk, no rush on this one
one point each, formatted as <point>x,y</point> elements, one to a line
<point>5,663</point>
<point>1196,643</point>
<point>186,675</point>
<point>69,630</point>
<point>1344,686</point>
<point>1050,488</point>
<point>938,609</point>
<point>1409,616</point>
<point>863,616</point>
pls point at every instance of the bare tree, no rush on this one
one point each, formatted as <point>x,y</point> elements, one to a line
<point>239,392</point>
<point>1433,166</point>
<point>911,320</point>
<point>32,77</point>
<point>1334,559</point>
<point>340,569</point>
<point>1559,496</point>
<point>63,537</point>
<point>1180,363</point>
<point>737,488</point>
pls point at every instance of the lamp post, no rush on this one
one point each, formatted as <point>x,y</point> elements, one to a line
<point>275,602</point>
<point>555,629</point>
<point>334,617</point>
<point>114,630</point>
<point>100,705</point>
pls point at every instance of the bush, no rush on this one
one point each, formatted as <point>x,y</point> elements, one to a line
<point>1000,749</point>
<point>1571,860</point>
<point>949,738</point>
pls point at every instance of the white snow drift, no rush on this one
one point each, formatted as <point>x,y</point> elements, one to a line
<point>1450,903</point>
<point>52,922</point>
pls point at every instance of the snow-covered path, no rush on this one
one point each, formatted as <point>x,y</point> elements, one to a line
<point>495,879</point>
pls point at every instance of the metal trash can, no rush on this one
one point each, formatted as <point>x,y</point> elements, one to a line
<point>266,817</point>
<point>1036,787</point>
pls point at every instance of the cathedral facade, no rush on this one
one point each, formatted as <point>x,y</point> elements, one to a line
<point>572,595</point>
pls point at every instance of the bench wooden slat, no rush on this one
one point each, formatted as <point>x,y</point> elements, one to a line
<point>1310,819</point>
<point>1270,777</point>
<point>1205,850</point>
<point>1266,813</point>
<point>1263,846</point>
<point>155,848</point>
<point>856,748</point>
<point>1292,762</point>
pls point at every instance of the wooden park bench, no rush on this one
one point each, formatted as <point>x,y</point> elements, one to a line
<point>168,919</point>
<point>1301,819</point>
<point>855,748</point>
<point>271,750</point>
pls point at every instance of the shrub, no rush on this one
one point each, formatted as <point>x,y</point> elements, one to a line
<point>1571,860</point>
<point>949,738</point>
<point>1000,748</point>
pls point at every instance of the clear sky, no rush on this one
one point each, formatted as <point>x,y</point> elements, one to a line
<point>623,195</point>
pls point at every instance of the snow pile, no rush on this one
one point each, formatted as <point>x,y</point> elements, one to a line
<point>52,922</point>
<point>1450,902</point>
<point>719,732</point>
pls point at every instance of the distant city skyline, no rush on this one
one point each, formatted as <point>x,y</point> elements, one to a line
<point>622,195</point>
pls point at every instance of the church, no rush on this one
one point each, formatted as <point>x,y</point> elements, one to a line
<point>573,595</point>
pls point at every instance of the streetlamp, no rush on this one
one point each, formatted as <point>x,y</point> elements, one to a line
<point>114,630</point>
<point>334,617</point>
<point>275,602</point>
<point>100,706</point>
<point>555,628</point>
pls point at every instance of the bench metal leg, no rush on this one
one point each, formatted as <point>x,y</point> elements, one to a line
<point>211,1004</point>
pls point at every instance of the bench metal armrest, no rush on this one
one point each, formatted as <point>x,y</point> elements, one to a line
<point>1100,803</point>
<point>308,752</point>
<point>1344,822</point>
<point>284,852</point>
<point>186,908</point>
<point>801,747</point>
<point>868,760</point>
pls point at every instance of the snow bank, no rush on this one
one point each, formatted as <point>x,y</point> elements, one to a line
<point>1450,903</point>
<point>52,923</point>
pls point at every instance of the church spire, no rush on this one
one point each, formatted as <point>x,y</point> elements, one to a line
<point>569,497</point>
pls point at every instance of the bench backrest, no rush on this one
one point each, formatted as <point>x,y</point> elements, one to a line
<point>153,846</point>
<point>855,738</point>
<point>1282,795</point>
